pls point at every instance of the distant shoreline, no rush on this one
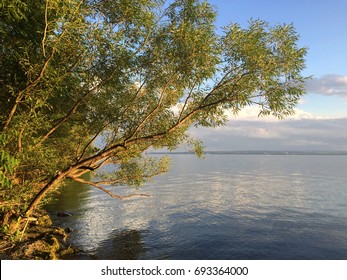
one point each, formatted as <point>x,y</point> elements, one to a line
<point>255,152</point>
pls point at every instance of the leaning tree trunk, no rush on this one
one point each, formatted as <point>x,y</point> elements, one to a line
<point>66,173</point>
<point>42,193</point>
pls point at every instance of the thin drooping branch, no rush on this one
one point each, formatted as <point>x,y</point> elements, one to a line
<point>22,93</point>
<point>32,84</point>
<point>113,195</point>
<point>186,103</point>
<point>89,143</point>
<point>45,30</point>
<point>72,110</point>
<point>149,115</point>
<point>63,119</point>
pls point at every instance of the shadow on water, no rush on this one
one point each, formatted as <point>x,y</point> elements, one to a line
<point>70,198</point>
<point>119,245</point>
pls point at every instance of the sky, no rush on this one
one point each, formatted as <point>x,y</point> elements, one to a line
<point>320,121</point>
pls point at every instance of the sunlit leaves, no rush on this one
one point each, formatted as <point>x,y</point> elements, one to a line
<point>137,170</point>
<point>13,10</point>
<point>265,62</point>
<point>7,165</point>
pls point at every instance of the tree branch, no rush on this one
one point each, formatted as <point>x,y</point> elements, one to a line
<point>66,117</point>
<point>156,108</point>
<point>185,103</point>
<point>107,191</point>
<point>32,84</point>
<point>89,143</point>
<point>21,93</point>
<point>45,30</point>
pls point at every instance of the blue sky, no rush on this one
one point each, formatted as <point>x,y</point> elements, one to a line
<point>321,119</point>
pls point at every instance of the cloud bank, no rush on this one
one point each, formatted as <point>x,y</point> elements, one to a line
<point>251,113</point>
<point>328,85</point>
<point>300,132</point>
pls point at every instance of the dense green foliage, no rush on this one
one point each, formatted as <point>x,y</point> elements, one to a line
<point>129,76</point>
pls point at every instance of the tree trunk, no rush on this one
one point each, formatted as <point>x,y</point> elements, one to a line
<point>42,193</point>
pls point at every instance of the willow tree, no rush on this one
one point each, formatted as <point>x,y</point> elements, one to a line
<point>131,75</point>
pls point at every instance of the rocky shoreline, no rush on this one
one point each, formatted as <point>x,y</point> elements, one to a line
<point>40,241</point>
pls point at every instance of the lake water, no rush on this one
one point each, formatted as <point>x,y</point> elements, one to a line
<point>222,207</point>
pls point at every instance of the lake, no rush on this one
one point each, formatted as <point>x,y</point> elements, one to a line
<point>226,206</point>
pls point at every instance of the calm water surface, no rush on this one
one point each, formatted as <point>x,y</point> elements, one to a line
<point>223,207</point>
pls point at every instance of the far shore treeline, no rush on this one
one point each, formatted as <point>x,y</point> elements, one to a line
<point>260,152</point>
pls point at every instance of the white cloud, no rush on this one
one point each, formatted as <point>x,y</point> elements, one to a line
<point>328,85</point>
<point>251,113</point>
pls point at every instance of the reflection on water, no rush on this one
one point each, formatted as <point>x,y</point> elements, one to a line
<point>224,207</point>
<point>120,245</point>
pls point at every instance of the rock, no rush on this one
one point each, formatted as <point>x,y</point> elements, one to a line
<point>64,214</point>
<point>68,230</point>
